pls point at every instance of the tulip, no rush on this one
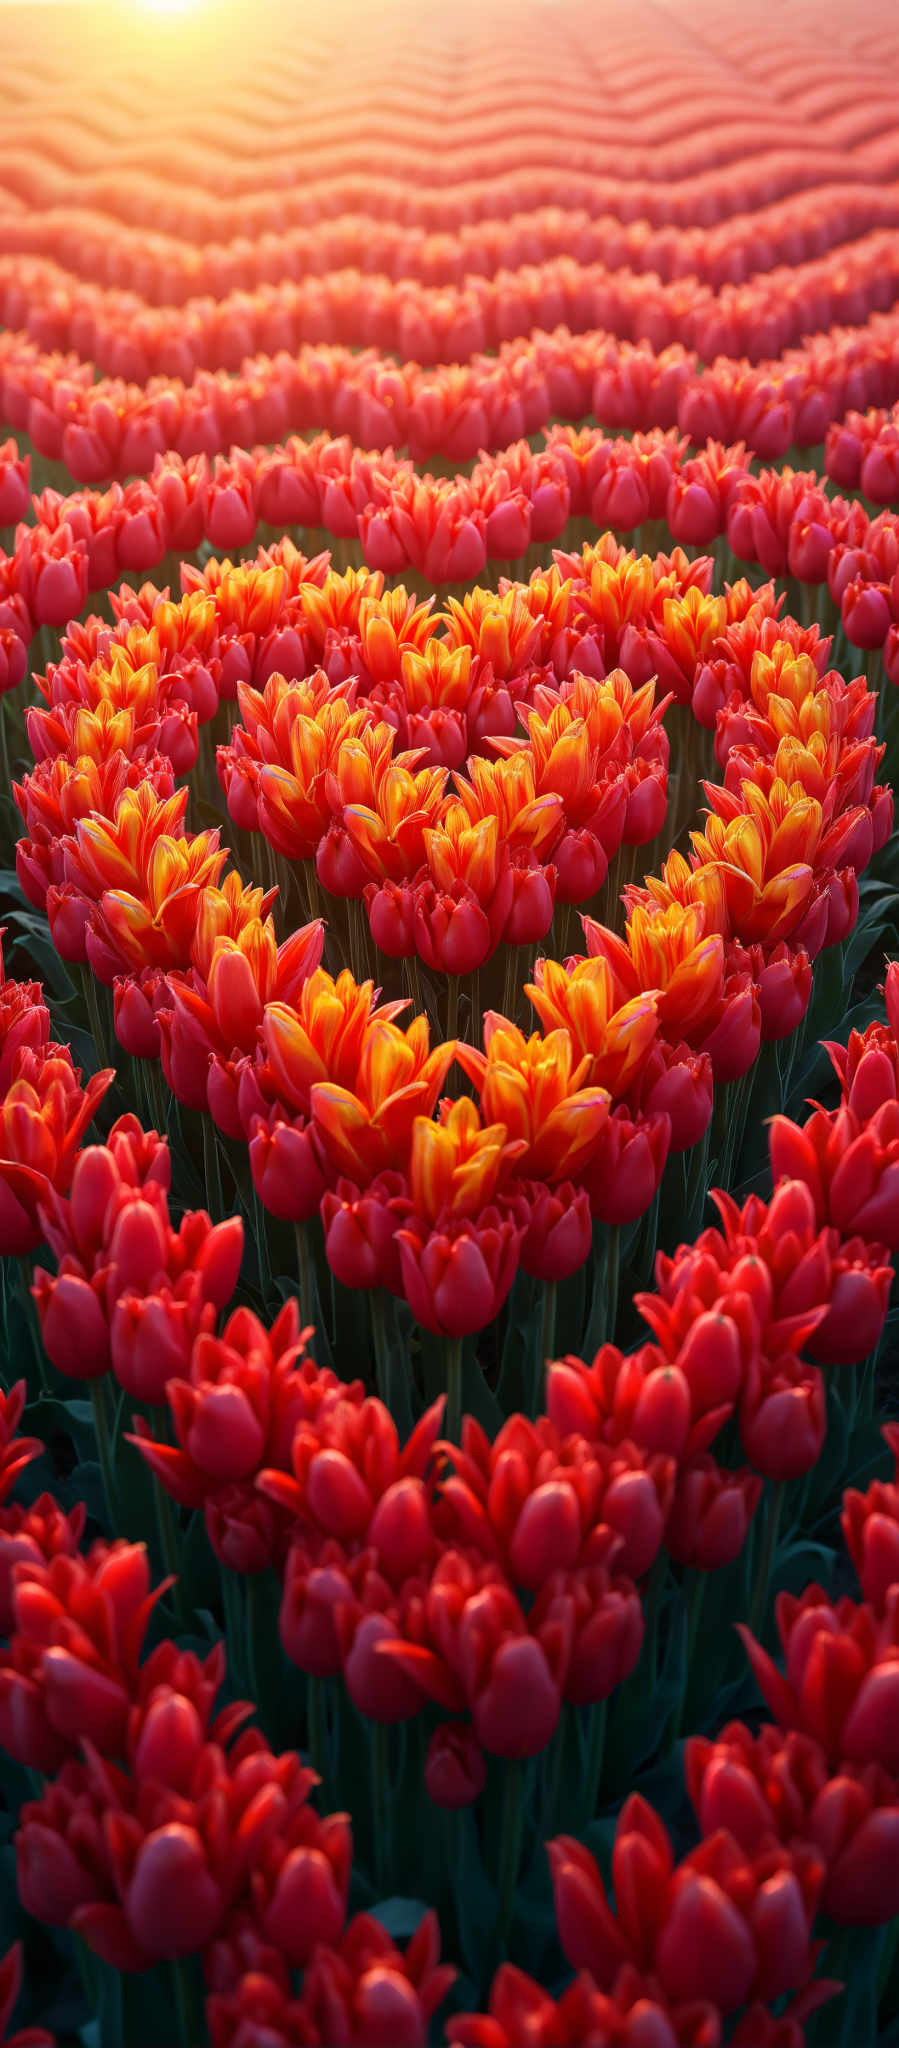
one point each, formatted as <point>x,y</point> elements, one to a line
<point>361,1231</point>
<point>287,1166</point>
<point>627,1165</point>
<point>870,1523</point>
<point>457,1275</point>
<point>710,1517</point>
<point>840,1674</point>
<point>607,1624</point>
<point>783,1417</point>
<point>558,1228</point>
<point>34,1535</point>
<point>455,1769</point>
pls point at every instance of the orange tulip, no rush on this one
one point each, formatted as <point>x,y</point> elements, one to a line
<point>499,626</point>
<point>681,882</point>
<point>233,911</point>
<point>457,1163</point>
<point>457,851</point>
<point>534,1088</point>
<point>367,1127</point>
<point>547,595</point>
<point>115,852</point>
<point>765,854</point>
<point>250,597</point>
<point>320,1036</point>
<point>581,999</point>
<point>669,950</point>
<point>691,625</point>
<point>507,791</point>
<point>154,925</point>
<point>783,674</point>
<point>337,605</point>
<point>94,733</point>
<point>614,594</point>
<point>43,1117</point>
<point>294,797</point>
<point>125,683</point>
<point>360,764</point>
<point>388,834</point>
<point>437,675</point>
<point>391,628</point>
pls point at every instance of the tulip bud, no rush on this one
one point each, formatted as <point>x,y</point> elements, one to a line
<point>711,1514</point>
<point>455,1768</point>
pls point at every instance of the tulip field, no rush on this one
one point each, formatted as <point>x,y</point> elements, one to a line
<point>449,1024</point>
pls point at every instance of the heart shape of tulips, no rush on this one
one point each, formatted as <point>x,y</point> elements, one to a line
<point>433,796</point>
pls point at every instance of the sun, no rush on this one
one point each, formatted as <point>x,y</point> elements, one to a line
<point>167,7</point>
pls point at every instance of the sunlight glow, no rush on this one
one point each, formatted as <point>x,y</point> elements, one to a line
<point>167,7</point>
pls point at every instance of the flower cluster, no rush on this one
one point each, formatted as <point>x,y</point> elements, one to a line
<point>396,1561</point>
<point>492,1059</point>
<point>44,1113</point>
<point>166,1827</point>
<point>335,1097</point>
<point>800,1815</point>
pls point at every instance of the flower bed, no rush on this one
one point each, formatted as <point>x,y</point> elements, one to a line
<point>459,892</point>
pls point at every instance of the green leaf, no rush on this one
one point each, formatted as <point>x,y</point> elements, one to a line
<point>400,1917</point>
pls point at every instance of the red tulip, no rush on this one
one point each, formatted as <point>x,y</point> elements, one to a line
<point>455,1770</point>
<point>712,1510</point>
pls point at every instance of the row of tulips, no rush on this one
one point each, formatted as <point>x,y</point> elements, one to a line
<point>110,427</point>
<point>497,187</point>
<point>480,137</point>
<point>782,520</point>
<point>161,270</point>
<point>124,337</point>
<point>162,1833</point>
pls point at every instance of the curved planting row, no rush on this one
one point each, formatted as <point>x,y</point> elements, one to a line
<point>449,1055</point>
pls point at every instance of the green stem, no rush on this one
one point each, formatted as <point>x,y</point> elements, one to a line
<point>694,1612</point>
<point>651,1613</point>
<point>699,1181</point>
<point>547,1338</point>
<point>304,1276</point>
<point>509,1003</point>
<point>453,1413</point>
<point>250,1639</point>
<point>215,1201</point>
<point>317,1727</point>
<point>96,1021</point>
<point>104,1447</point>
<point>380,1345</point>
<point>4,749</point>
<point>888,1958</point>
<point>772,1524</point>
<point>380,1803</point>
<point>260,1232</point>
<point>474,997</point>
<point>510,1843</point>
<point>552,1774</point>
<point>452,1007</point>
<point>22,1275</point>
<point>593,1777</point>
<point>191,2031</point>
<point>612,1273</point>
<point>168,1541</point>
<point>234,1625</point>
<point>417,992</point>
<point>158,1099</point>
